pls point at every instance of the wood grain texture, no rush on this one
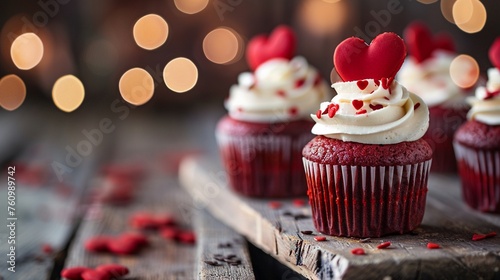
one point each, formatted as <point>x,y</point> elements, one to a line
<point>447,222</point>
<point>162,259</point>
<point>215,238</point>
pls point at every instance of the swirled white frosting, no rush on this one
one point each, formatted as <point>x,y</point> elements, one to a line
<point>486,103</point>
<point>279,90</point>
<point>374,115</point>
<point>431,79</point>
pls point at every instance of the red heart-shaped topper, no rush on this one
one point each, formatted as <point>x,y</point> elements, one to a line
<point>280,44</point>
<point>421,43</point>
<point>494,53</point>
<point>355,60</point>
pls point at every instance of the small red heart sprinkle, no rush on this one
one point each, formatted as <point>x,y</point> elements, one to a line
<point>123,246</point>
<point>298,202</point>
<point>377,82</point>
<point>143,220</point>
<point>97,243</point>
<point>187,237</point>
<point>138,238</point>
<point>355,60</point>
<point>386,82</point>
<point>299,83</point>
<point>113,270</point>
<point>383,245</point>
<point>280,44</point>
<point>415,107</point>
<point>95,275</point>
<point>361,112</point>
<point>320,238</point>
<point>376,107</point>
<point>494,53</point>
<point>281,93</point>
<point>74,273</point>
<point>431,245</point>
<point>358,251</point>
<point>332,111</point>
<point>318,114</point>
<point>293,111</point>
<point>357,104</point>
<point>491,234</point>
<point>477,237</point>
<point>47,249</point>
<point>169,233</point>
<point>274,204</point>
<point>362,84</point>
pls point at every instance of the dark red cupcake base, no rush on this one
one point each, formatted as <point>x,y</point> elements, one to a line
<point>480,175</point>
<point>361,201</point>
<point>443,123</point>
<point>264,160</point>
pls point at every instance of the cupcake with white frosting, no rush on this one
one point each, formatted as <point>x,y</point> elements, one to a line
<point>367,168</point>
<point>268,121</point>
<point>426,72</point>
<point>477,143</point>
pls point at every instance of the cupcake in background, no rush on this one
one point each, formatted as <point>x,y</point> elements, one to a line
<point>426,72</point>
<point>477,143</point>
<point>368,166</point>
<point>268,123</point>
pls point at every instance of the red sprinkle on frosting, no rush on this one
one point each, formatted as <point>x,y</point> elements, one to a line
<point>357,104</point>
<point>377,82</point>
<point>383,245</point>
<point>358,251</point>
<point>431,245</point>
<point>376,107</point>
<point>415,107</point>
<point>387,82</point>
<point>320,238</point>
<point>361,112</point>
<point>293,111</point>
<point>281,93</point>
<point>299,83</point>
<point>332,110</point>
<point>318,114</point>
<point>362,84</point>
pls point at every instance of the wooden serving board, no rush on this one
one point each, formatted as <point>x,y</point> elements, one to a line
<point>447,222</point>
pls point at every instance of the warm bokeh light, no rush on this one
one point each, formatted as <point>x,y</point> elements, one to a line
<point>136,86</point>
<point>472,15</point>
<point>190,6</point>
<point>464,71</point>
<point>26,51</point>
<point>68,93</point>
<point>12,92</point>
<point>180,74</point>
<point>447,9</point>
<point>150,31</point>
<point>323,18</point>
<point>222,46</point>
<point>427,1</point>
<point>462,11</point>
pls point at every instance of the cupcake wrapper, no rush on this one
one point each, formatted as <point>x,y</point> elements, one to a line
<point>480,175</point>
<point>440,134</point>
<point>363,201</point>
<point>264,165</point>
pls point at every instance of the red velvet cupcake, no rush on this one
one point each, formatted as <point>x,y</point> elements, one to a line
<point>426,72</point>
<point>368,167</point>
<point>261,139</point>
<point>477,143</point>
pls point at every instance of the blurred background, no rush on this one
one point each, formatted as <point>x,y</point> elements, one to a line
<point>98,41</point>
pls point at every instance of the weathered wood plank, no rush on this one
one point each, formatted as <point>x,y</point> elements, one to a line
<point>447,222</point>
<point>215,242</point>
<point>163,259</point>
